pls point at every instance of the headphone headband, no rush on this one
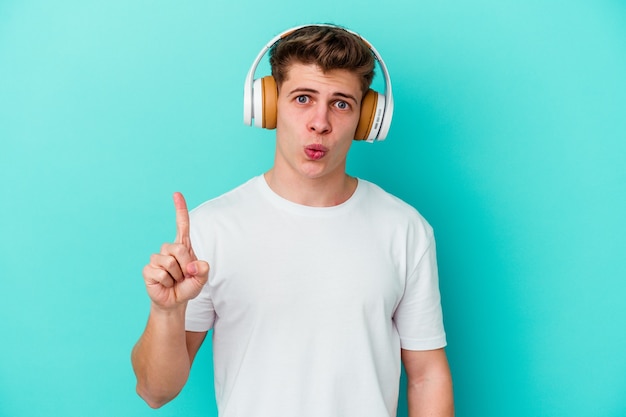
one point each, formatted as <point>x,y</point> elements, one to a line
<point>381,119</point>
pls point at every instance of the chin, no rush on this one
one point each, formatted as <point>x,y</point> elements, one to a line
<point>318,172</point>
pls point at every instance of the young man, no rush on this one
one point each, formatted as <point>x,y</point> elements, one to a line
<point>320,283</point>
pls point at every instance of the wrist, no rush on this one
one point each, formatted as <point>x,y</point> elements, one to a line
<point>177,310</point>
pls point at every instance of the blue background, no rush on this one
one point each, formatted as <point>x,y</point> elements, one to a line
<point>509,136</point>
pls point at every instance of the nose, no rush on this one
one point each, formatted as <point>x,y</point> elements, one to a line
<point>320,120</point>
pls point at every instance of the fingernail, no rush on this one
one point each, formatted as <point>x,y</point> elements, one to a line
<point>191,268</point>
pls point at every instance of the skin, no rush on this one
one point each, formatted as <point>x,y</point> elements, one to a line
<point>318,113</point>
<point>316,110</point>
<point>163,355</point>
<point>429,383</point>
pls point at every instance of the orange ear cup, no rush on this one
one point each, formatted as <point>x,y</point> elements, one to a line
<point>368,107</point>
<point>270,101</point>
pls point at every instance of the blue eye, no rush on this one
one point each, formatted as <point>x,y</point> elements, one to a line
<point>302,99</point>
<point>342,105</point>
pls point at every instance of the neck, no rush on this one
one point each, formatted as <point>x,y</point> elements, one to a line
<point>314,192</point>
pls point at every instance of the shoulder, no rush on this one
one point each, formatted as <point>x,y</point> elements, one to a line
<point>379,202</point>
<point>238,197</point>
<point>233,203</point>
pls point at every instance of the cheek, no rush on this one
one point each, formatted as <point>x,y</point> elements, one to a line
<point>285,118</point>
<point>350,127</point>
<point>344,145</point>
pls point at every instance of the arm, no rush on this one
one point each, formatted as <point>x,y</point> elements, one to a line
<point>429,383</point>
<point>163,355</point>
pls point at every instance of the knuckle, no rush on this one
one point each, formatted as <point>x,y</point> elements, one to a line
<point>163,278</point>
<point>178,250</point>
<point>147,271</point>
<point>168,283</point>
<point>170,262</point>
<point>164,275</point>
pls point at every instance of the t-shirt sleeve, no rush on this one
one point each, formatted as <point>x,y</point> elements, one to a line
<point>200,314</point>
<point>419,317</point>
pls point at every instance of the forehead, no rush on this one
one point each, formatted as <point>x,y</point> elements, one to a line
<point>301,75</point>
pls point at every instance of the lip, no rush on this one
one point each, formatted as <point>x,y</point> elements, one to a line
<point>315,151</point>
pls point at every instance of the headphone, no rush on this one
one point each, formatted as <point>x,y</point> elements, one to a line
<point>260,97</point>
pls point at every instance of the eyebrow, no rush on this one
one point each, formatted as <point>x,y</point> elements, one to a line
<point>313,91</point>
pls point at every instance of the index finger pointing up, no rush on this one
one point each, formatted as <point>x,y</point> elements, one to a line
<point>182,220</point>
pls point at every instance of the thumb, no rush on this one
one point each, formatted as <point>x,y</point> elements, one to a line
<point>192,285</point>
<point>199,269</point>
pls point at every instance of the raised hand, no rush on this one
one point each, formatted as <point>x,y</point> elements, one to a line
<point>175,275</point>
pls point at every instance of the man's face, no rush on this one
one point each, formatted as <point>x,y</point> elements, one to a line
<point>316,119</point>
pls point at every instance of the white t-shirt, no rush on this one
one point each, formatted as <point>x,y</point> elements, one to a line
<point>310,306</point>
